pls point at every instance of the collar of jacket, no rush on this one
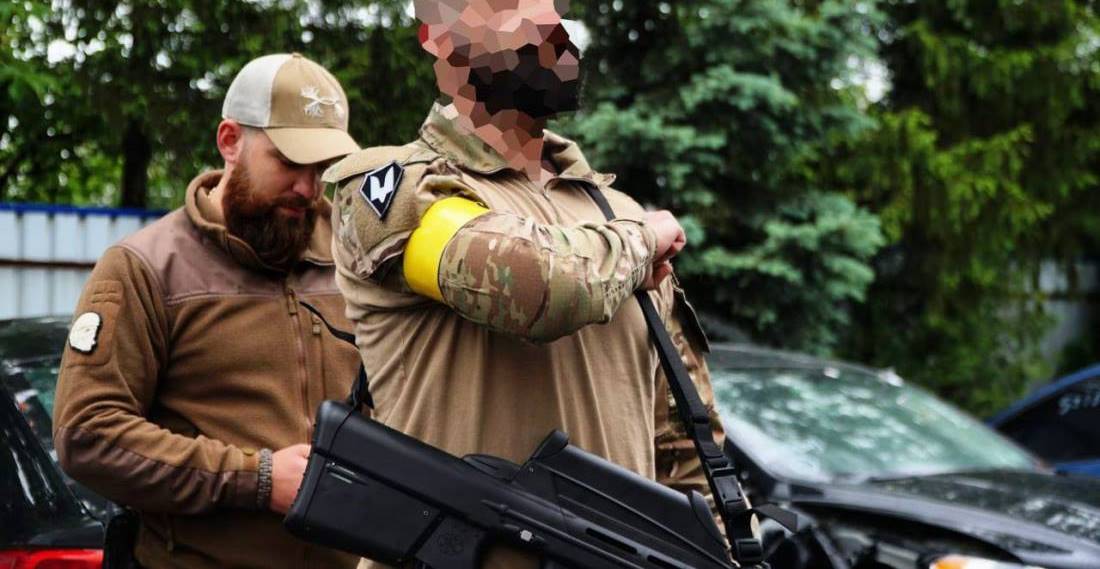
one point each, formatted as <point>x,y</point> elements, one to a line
<point>443,134</point>
<point>208,221</point>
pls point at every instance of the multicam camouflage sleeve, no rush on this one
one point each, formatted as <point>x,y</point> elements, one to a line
<point>502,270</point>
<point>541,282</point>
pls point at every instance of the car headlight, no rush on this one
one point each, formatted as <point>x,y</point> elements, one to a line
<point>968,562</point>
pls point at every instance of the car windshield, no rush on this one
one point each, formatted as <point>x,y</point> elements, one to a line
<point>848,424</point>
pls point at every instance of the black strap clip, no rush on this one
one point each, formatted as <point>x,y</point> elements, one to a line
<point>360,390</point>
<point>721,474</point>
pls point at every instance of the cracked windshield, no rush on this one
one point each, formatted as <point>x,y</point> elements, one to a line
<point>828,424</point>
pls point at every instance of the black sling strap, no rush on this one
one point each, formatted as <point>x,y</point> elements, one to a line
<point>360,390</point>
<point>719,470</point>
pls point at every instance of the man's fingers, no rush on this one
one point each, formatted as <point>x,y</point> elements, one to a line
<point>674,249</point>
<point>679,242</point>
<point>660,272</point>
<point>287,467</point>
<point>670,241</point>
<point>669,233</point>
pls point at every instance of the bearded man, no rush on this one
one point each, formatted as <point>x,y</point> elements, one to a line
<point>492,298</point>
<point>188,387</point>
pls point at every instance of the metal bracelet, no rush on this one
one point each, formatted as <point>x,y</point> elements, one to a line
<point>263,485</point>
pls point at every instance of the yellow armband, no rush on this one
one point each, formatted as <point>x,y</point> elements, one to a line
<point>425,248</point>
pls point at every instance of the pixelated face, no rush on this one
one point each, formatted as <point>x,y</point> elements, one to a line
<point>503,54</point>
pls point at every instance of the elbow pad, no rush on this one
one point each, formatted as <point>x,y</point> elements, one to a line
<point>424,250</point>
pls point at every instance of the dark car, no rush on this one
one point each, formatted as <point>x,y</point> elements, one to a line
<point>43,524</point>
<point>887,476</point>
<point>30,356</point>
<point>1059,422</point>
<point>49,520</point>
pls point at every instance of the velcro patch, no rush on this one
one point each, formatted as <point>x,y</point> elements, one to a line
<point>85,332</point>
<point>379,187</point>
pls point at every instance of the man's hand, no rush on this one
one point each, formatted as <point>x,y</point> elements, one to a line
<point>287,467</point>
<point>670,241</point>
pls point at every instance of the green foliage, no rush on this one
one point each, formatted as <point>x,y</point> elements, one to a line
<point>723,111</point>
<point>142,84</point>
<point>983,164</point>
<point>1082,351</point>
<point>908,232</point>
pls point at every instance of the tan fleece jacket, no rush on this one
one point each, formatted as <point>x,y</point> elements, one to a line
<point>197,357</point>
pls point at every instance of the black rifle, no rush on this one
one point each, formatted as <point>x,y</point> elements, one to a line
<point>381,494</point>
<point>371,490</point>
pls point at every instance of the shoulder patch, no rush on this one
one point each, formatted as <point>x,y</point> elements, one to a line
<point>380,186</point>
<point>85,332</point>
<point>376,158</point>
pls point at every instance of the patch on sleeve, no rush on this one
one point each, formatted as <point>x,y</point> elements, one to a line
<point>85,332</point>
<point>92,333</point>
<point>380,186</point>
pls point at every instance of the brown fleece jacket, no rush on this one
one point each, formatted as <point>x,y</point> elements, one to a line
<point>201,357</point>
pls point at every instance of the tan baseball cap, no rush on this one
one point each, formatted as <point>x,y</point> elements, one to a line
<point>298,103</point>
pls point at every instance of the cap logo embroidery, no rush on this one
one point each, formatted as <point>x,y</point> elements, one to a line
<point>316,101</point>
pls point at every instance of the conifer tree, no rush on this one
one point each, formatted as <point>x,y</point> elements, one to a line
<point>723,110</point>
<point>983,165</point>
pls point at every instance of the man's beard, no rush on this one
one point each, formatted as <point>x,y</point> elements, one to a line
<point>278,240</point>
<point>528,88</point>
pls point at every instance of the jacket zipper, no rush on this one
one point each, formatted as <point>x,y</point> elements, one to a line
<point>303,375</point>
<point>292,308</point>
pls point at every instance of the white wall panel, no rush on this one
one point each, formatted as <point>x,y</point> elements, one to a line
<point>68,238</point>
<point>10,297</point>
<point>34,287</point>
<point>32,238</point>
<point>98,235</point>
<point>125,226</point>
<point>36,239</point>
<point>65,289</point>
<point>9,235</point>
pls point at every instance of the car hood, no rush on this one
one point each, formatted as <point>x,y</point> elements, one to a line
<point>1043,519</point>
<point>1069,505</point>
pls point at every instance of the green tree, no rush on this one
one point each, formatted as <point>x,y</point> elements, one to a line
<point>27,93</point>
<point>983,164</point>
<point>723,111</point>
<point>131,104</point>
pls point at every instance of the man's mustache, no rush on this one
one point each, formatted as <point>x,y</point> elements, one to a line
<point>296,201</point>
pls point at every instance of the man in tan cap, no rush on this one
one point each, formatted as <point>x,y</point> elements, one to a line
<point>191,359</point>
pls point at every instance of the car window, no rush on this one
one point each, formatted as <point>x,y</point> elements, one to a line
<point>30,357</point>
<point>33,496</point>
<point>829,424</point>
<point>33,384</point>
<point>1063,428</point>
<point>23,339</point>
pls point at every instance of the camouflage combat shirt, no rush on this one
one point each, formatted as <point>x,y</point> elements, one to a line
<point>496,368</point>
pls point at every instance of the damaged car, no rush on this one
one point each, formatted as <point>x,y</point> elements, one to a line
<point>884,475</point>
